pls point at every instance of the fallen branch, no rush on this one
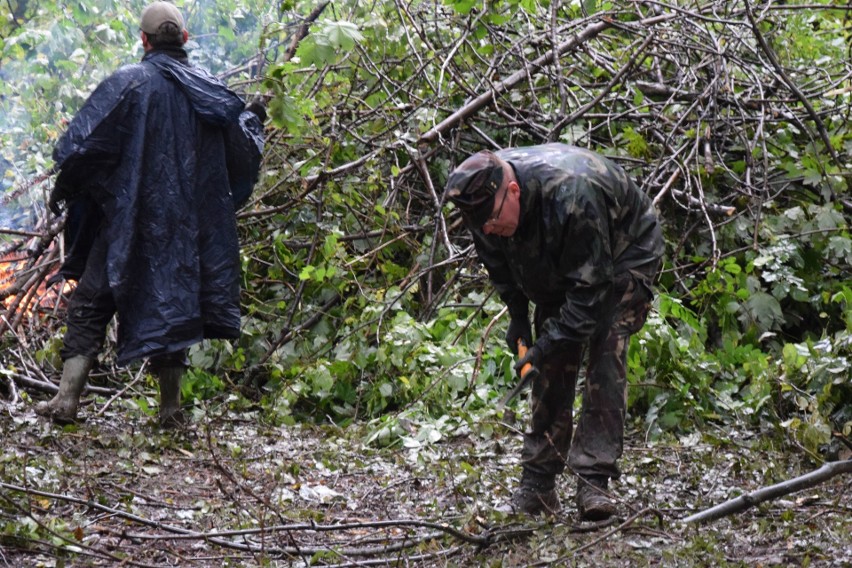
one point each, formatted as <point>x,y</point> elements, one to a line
<point>303,30</point>
<point>50,388</point>
<point>121,392</point>
<point>743,502</point>
<point>26,186</point>
<point>794,88</point>
<point>522,75</point>
<point>221,537</point>
<point>61,542</point>
<point>632,519</point>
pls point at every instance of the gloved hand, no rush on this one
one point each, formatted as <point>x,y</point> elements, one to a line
<point>57,196</point>
<point>258,107</point>
<point>534,357</point>
<point>519,328</point>
<point>53,205</point>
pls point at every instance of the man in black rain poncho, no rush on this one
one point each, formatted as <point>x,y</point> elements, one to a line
<point>152,169</point>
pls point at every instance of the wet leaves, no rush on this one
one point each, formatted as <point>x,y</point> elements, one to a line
<point>304,493</point>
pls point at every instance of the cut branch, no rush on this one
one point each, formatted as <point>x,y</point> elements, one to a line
<point>743,502</point>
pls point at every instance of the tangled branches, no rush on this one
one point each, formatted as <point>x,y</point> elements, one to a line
<point>25,264</point>
<point>717,110</point>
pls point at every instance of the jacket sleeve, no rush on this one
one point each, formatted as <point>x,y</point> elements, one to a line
<point>244,151</point>
<point>585,260</point>
<point>499,272</point>
<point>91,146</point>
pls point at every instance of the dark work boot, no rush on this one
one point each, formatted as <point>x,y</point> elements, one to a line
<point>62,408</point>
<point>536,495</point>
<point>593,501</point>
<point>171,415</point>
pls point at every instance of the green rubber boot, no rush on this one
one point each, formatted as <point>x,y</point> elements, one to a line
<point>62,408</point>
<point>171,415</point>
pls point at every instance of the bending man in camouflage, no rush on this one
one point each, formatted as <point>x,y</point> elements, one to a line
<point>568,230</point>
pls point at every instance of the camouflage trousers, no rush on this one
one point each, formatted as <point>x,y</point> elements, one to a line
<point>599,440</point>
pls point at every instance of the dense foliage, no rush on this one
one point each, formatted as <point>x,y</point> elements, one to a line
<point>363,298</point>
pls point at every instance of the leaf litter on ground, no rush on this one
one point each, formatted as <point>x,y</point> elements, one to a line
<point>236,489</point>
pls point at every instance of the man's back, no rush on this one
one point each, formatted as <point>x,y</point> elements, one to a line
<point>148,168</point>
<point>150,147</point>
<point>566,175</point>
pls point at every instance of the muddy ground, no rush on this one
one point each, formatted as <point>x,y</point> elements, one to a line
<point>237,489</point>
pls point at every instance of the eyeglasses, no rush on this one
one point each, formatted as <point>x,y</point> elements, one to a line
<point>493,219</point>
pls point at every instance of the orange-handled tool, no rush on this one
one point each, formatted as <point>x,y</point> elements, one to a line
<point>528,375</point>
<point>522,352</point>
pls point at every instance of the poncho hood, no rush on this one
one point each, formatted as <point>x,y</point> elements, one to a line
<point>210,98</point>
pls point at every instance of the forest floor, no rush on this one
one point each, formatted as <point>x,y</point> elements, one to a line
<point>235,489</point>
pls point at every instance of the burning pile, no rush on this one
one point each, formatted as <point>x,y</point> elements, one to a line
<point>26,265</point>
<point>28,256</point>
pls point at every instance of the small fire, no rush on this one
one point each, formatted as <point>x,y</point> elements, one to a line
<point>29,256</point>
<point>8,266</point>
<point>24,291</point>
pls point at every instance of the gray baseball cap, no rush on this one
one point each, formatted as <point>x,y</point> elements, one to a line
<point>158,13</point>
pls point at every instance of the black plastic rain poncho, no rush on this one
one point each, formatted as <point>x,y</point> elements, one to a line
<point>167,152</point>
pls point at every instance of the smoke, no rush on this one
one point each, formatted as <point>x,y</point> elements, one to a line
<point>16,206</point>
<point>24,145</point>
<point>224,37</point>
<point>49,65</point>
<point>5,183</point>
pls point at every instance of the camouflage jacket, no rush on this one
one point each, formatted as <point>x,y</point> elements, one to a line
<point>583,221</point>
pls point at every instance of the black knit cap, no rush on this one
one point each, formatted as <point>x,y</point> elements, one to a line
<point>473,185</point>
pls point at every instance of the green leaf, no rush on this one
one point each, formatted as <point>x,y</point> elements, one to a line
<point>765,309</point>
<point>227,33</point>
<point>342,35</point>
<point>529,6</point>
<point>462,6</point>
<point>636,144</point>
